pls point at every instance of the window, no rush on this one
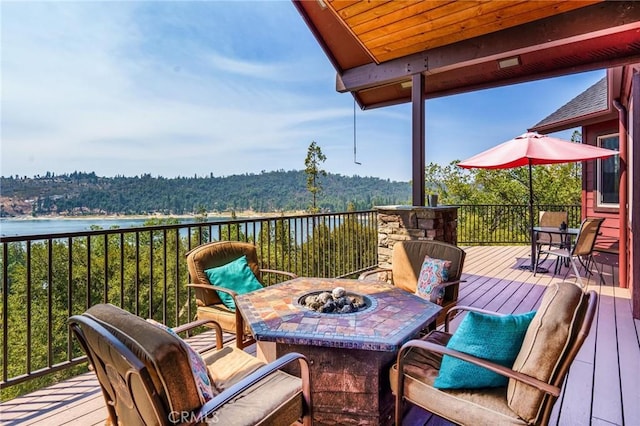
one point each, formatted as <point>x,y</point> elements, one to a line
<point>608,173</point>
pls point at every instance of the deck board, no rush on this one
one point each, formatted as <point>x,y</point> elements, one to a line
<point>596,391</point>
<point>608,406</point>
<point>629,356</point>
<point>569,409</point>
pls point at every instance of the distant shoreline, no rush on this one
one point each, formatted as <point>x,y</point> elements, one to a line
<point>241,214</point>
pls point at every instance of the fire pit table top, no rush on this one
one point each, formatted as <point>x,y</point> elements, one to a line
<point>275,315</point>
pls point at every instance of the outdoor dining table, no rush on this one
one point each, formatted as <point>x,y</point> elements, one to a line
<point>349,354</point>
<point>567,236</point>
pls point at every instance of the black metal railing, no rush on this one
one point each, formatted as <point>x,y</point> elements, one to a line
<point>504,224</point>
<point>47,278</point>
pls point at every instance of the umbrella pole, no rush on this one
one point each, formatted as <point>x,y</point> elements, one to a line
<point>532,233</point>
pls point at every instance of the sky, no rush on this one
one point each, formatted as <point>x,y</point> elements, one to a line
<point>199,88</point>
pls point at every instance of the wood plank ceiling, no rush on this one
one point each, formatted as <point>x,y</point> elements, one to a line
<point>376,46</point>
<point>393,29</point>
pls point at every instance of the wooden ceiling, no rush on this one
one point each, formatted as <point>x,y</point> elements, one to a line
<point>376,46</point>
<point>393,29</point>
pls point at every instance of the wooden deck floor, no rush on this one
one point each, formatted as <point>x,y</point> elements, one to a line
<point>602,388</point>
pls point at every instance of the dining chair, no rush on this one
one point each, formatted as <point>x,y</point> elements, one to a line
<point>218,272</point>
<point>550,240</point>
<point>528,385</point>
<point>581,250</point>
<point>150,376</point>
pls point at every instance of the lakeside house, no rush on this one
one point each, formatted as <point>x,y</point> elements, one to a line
<point>392,52</point>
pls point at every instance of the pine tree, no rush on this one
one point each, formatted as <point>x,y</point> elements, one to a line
<point>313,172</point>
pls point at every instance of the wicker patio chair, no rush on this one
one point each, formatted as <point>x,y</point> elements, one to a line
<point>208,301</point>
<point>147,376</point>
<point>551,341</point>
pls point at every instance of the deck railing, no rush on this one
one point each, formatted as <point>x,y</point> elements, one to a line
<point>496,224</point>
<point>47,278</point>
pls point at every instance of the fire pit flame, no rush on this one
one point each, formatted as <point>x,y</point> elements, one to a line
<point>336,301</point>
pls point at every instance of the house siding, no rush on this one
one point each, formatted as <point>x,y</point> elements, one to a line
<point>610,230</point>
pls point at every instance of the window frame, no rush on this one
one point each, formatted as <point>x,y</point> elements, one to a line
<point>599,204</point>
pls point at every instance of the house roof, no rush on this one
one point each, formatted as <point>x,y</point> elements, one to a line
<point>377,46</point>
<point>593,102</point>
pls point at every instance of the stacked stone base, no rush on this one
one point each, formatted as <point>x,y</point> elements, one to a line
<point>399,223</point>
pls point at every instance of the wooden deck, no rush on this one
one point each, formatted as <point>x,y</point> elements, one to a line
<point>602,388</point>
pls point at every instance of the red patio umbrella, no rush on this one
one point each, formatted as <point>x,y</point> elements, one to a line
<point>531,149</point>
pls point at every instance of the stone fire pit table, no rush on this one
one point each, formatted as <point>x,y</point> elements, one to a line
<point>350,354</point>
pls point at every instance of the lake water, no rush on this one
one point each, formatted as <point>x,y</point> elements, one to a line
<point>13,227</point>
<point>21,227</point>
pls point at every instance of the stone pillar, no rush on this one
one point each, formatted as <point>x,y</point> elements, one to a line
<point>398,223</point>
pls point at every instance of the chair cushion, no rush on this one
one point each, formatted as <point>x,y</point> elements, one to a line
<point>488,407</point>
<point>432,273</point>
<point>236,276</point>
<point>276,400</point>
<point>491,337</point>
<point>544,345</point>
<point>163,354</point>
<point>197,364</point>
<point>229,365</point>
<point>420,358</point>
<point>222,315</point>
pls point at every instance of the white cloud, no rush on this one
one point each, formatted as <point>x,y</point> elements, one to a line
<point>79,84</point>
<point>246,68</point>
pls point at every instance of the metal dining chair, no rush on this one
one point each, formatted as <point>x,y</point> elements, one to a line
<point>581,250</point>
<point>546,239</point>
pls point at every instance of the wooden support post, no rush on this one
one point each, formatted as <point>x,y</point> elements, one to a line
<point>418,140</point>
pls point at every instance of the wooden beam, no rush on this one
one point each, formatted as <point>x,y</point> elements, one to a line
<point>417,138</point>
<point>579,25</point>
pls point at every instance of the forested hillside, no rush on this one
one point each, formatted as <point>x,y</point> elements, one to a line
<point>85,193</point>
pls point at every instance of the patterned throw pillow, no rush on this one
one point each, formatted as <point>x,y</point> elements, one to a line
<point>432,273</point>
<point>198,366</point>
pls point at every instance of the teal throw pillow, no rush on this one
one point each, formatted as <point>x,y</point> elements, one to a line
<point>490,337</point>
<point>236,276</point>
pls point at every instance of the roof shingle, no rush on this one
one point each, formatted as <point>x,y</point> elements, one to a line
<point>591,101</point>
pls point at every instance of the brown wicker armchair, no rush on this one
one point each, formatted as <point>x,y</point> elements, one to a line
<point>406,262</point>
<point>209,304</point>
<point>551,342</point>
<point>146,376</point>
